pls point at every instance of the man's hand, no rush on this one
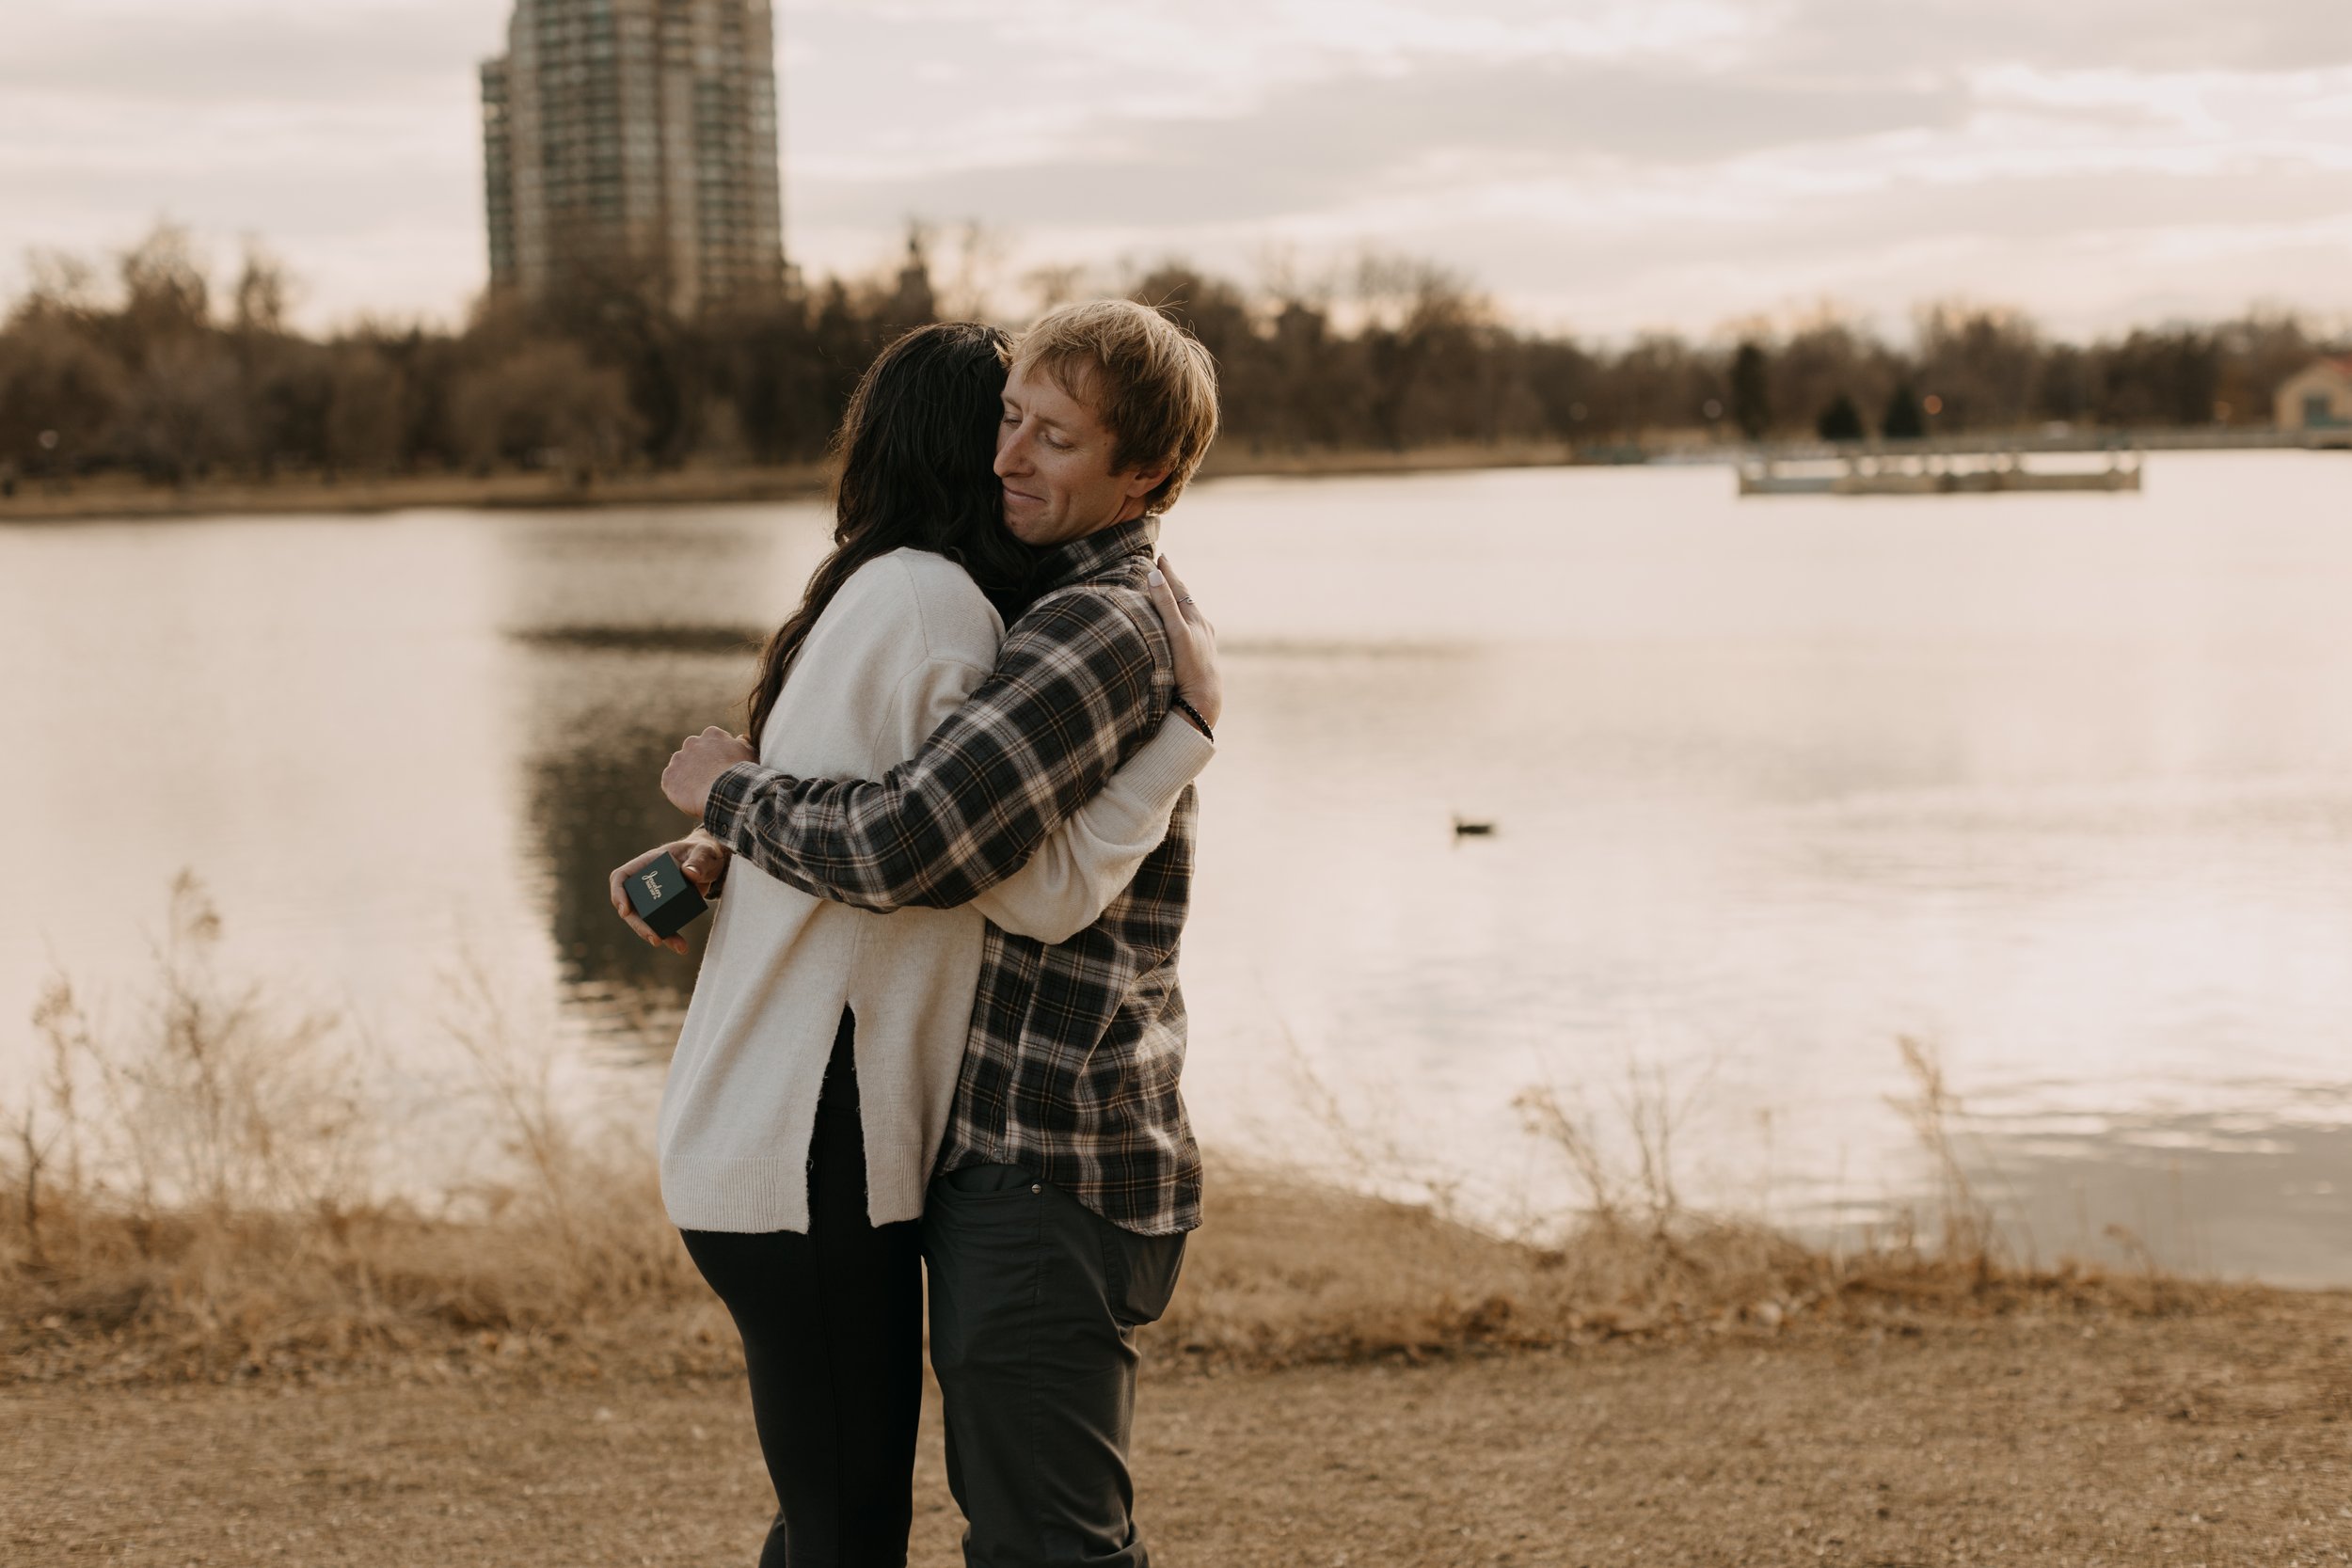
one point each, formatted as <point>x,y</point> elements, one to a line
<point>702,857</point>
<point>1192,639</point>
<point>696,765</point>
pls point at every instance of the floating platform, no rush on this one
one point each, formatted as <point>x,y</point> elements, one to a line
<point>1937,474</point>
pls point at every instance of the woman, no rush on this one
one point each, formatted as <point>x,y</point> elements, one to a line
<point>819,1057</point>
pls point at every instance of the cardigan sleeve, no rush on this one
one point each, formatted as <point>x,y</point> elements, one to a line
<point>1089,858</point>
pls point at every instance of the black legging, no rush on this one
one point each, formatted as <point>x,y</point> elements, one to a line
<point>832,1324</point>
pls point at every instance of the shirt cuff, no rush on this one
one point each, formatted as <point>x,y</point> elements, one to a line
<point>730,796</point>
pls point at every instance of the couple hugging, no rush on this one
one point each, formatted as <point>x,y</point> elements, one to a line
<point>938,1022</point>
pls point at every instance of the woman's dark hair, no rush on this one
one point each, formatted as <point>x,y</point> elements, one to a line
<point>917,449</point>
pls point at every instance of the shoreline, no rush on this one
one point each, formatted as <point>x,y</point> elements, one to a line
<point>582,1276</point>
<point>119,501</point>
<point>115,499</point>
<point>120,498</point>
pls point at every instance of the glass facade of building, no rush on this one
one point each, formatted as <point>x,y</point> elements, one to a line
<point>498,173</point>
<point>634,142</point>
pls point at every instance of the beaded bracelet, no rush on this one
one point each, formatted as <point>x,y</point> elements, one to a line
<point>1194,714</point>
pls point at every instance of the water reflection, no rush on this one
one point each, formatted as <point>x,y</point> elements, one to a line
<point>624,634</point>
<point>607,722</point>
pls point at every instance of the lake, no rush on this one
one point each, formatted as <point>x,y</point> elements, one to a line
<point>2059,784</point>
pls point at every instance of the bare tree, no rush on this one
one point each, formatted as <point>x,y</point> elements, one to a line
<point>186,413</point>
<point>367,409</point>
<point>1051,287</point>
<point>544,405</point>
<point>1983,363</point>
<point>60,393</point>
<point>265,290</point>
<point>165,294</point>
<point>977,255</point>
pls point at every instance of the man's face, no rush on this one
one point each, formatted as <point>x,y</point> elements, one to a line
<point>1053,458</point>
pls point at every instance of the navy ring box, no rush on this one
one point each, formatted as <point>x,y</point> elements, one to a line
<point>662,897</point>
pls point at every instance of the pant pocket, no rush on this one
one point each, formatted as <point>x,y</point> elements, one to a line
<point>988,1181</point>
<point>982,1252</point>
<point>1141,1273</point>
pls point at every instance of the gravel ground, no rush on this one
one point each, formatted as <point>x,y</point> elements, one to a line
<point>2217,1440</point>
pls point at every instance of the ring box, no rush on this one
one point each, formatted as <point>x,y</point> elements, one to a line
<point>662,897</point>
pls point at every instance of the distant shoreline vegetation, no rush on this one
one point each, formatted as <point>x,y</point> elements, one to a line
<point>132,386</point>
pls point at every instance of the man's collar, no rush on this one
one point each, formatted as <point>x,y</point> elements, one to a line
<point>1084,556</point>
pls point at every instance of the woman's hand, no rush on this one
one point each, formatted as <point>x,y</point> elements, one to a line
<point>696,765</point>
<point>703,858</point>
<point>1194,643</point>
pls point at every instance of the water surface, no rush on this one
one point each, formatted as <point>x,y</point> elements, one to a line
<point>2059,784</point>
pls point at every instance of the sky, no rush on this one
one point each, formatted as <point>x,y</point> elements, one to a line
<point>1600,167</point>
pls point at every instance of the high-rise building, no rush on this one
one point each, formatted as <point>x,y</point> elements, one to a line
<point>634,142</point>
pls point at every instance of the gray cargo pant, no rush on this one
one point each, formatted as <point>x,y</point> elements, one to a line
<point>1035,1301</point>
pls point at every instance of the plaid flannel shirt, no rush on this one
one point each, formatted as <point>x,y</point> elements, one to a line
<point>1071,1066</point>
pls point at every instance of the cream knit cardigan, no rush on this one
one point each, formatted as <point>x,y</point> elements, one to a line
<point>903,643</point>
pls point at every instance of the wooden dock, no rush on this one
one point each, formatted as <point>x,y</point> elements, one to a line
<point>1943,472</point>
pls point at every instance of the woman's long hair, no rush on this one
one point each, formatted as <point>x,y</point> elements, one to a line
<point>917,449</point>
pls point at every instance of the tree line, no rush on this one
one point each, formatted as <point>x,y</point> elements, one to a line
<point>146,365</point>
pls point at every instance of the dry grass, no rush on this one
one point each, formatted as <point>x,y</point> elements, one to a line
<point>1287,1274</point>
<point>205,1193</point>
<point>213,1191</point>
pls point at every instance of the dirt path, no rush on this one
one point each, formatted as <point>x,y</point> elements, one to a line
<point>2189,1441</point>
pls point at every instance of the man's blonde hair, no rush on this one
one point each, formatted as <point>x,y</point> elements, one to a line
<point>1147,380</point>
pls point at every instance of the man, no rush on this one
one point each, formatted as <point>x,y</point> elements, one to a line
<point>1055,1223</point>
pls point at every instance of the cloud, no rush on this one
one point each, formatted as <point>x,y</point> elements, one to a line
<point>344,136</point>
<point>203,56</point>
<point>2086,195</point>
<point>1877,36</point>
<point>1255,40</point>
<point>1349,138</point>
<point>1584,158</point>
